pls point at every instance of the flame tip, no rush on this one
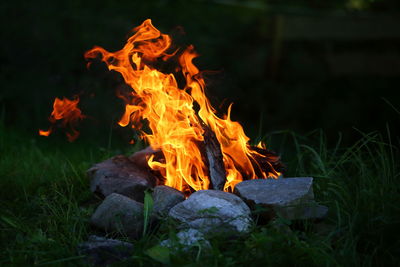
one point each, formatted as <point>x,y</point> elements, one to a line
<point>67,112</point>
<point>176,127</point>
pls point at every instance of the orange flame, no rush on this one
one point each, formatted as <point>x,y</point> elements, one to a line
<point>176,127</point>
<point>68,113</point>
<point>261,144</point>
<point>44,133</point>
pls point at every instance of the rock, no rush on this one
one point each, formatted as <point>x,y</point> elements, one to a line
<point>119,213</point>
<point>213,211</point>
<point>314,211</point>
<point>164,198</point>
<point>102,251</point>
<point>120,175</point>
<point>188,238</point>
<point>140,157</point>
<point>291,198</point>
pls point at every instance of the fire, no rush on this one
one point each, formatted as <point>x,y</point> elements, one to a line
<point>44,133</point>
<point>169,110</point>
<point>68,113</point>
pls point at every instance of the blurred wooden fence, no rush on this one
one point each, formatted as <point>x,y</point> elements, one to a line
<point>349,44</point>
<point>352,45</point>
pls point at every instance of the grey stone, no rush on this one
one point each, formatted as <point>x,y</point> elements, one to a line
<point>314,211</point>
<point>213,211</point>
<point>291,198</point>
<point>119,213</point>
<point>164,198</point>
<point>141,157</point>
<point>188,238</point>
<point>100,251</point>
<point>120,175</point>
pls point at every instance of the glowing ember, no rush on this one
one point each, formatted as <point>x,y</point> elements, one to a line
<point>175,125</point>
<point>68,113</point>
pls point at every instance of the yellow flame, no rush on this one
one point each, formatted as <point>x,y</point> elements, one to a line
<point>176,127</point>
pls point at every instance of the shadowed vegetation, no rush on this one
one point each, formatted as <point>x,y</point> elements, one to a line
<point>46,206</point>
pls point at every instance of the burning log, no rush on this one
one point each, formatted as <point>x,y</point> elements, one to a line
<point>268,162</point>
<point>210,149</point>
<point>214,159</point>
<point>265,162</point>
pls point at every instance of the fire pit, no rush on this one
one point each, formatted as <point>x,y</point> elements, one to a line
<point>199,169</point>
<point>192,148</point>
<point>198,149</point>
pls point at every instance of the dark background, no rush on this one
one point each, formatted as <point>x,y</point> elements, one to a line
<point>286,65</point>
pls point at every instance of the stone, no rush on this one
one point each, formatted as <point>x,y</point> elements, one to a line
<point>314,211</point>
<point>120,175</point>
<point>290,198</point>
<point>100,251</point>
<point>188,238</point>
<point>119,213</point>
<point>140,157</point>
<point>213,211</point>
<point>164,198</point>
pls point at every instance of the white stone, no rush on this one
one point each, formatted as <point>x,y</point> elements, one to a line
<point>213,211</point>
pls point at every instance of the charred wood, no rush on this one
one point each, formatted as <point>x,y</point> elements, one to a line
<point>266,162</point>
<point>214,159</point>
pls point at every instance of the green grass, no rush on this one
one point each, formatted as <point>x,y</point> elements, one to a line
<point>45,207</point>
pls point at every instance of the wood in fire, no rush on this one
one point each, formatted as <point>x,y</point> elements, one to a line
<point>212,157</point>
<point>212,153</point>
<point>265,162</point>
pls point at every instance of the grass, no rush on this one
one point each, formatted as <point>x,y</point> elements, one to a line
<point>44,210</point>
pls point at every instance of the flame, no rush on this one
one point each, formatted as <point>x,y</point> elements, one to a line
<point>44,133</point>
<point>261,144</point>
<point>68,113</point>
<point>176,126</point>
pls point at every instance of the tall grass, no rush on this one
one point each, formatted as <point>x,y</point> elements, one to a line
<point>45,211</point>
<point>42,191</point>
<point>360,185</point>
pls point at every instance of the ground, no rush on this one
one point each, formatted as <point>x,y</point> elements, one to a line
<point>46,205</point>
